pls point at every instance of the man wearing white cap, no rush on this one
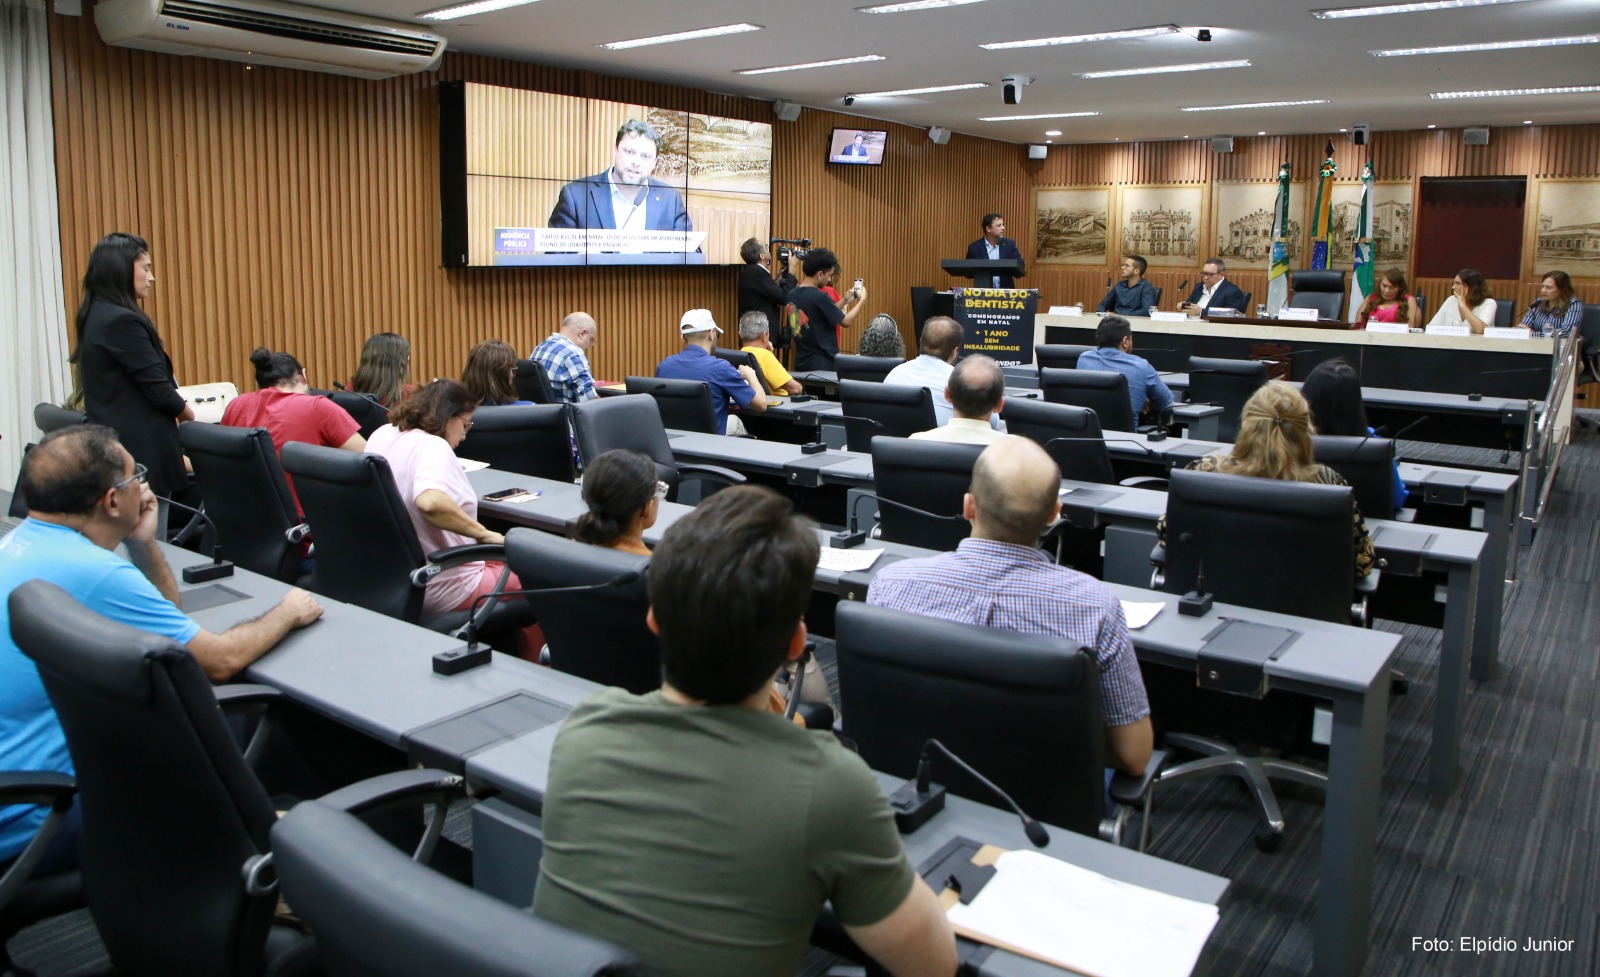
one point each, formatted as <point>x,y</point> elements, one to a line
<point>696,362</point>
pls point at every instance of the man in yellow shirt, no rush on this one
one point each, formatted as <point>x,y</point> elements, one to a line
<point>755,338</point>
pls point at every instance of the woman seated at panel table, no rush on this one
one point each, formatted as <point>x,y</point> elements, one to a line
<point>1391,301</point>
<point>490,374</point>
<point>1558,310</point>
<point>1469,303</point>
<point>1275,442</point>
<point>1333,392</point>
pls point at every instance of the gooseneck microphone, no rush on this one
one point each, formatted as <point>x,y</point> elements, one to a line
<point>920,799</point>
<point>202,572</point>
<point>1197,601</point>
<point>364,396</point>
<point>1180,291</point>
<point>470,656</point>
<point>1500,373</point>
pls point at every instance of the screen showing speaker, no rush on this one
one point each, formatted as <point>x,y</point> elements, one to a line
<point>857,147</point>
<point>532,178</point>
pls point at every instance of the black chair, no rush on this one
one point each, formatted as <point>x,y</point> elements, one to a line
<point>1422,311</point>
<point>533,383</point>
<point>867,369</point>
<point>1367,464</point>
<point>1073,439</point>
<point>172,850</point>
<point>1058,356</point>
<point>1502,313</point>
<point>531,440</point>
<point>1159,292</point>
<point>1227,384</point>
<point>367,548</point>
<point>737,358</point>
<point>685,405</point>
<point>26,898</point>
<point>591,604</point>
<point>1103,391</point>
<point>377,913</point>
<point>634,422</point>
<point>247,499</point>
<point>1024,710</point>
<point>894,410</point>
<point>1248,310</point>
<point>1321,290</point>
<point>49,417</point>
<point>920,485</point>
<point>367,412</point>
<point>1588,340</point>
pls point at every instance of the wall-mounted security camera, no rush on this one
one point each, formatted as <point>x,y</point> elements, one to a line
<point>1011,87</point>
<point>849,100</point>
<point>1204,35</point>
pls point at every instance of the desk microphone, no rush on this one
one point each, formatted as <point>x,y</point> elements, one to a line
<point>200,572</point>
<point>1379,433</point>
<point>1499,373</point>
<point>852,536</point>
<point>920,799</point>
<point>1180,292</point>
<point>1290,357</point>
<point>459,660</point>
<point>1197,601</point>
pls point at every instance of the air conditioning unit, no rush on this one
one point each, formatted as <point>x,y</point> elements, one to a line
<point>266,33</point>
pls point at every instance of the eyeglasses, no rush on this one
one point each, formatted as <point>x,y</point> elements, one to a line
<point>466,422</point>
<point>139,472</point>
<point>662,488</point>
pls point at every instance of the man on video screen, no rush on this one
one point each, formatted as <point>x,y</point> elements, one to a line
<point>624,197</point>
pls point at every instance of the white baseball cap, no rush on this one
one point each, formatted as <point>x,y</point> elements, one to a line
<point>697,320</point>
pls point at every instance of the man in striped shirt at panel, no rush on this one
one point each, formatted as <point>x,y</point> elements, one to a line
<point>564,357</point>
<point>999,578</point>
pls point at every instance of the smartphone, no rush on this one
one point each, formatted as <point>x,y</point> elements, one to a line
<point>859,283</point>
<point>512,495</point>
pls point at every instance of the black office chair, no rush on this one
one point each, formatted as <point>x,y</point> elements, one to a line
<point>1502,313</point>
<point>247,499</point>
<point>49,417</point>
<point>1058,356</point>
<point>367,548</point>
<point>1024,710</point>
<point>634,422</point>
<point>1367,464</point>
<point>1248,309</point>
<point>531,440</point>
<point>867,369</point>
<point>893,410</point>
<point>369,415</point>
<point>1227,384</point>
<point>737,358</point>
<point>377,913</point>
<point>1320,289</point>
<point>1159,292</point>
<point>26,898</point>
<point>1103,391</point>
<point>920,485</point>
<point>1588,339</point>
<point>1422,311</point>
<point>533,383</point>
<point>1072,437</point>
<point>172,847</point>
<point>685,405</point>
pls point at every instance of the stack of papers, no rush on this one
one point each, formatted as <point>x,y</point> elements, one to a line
<point>1139,615</point>
<point>847,561</point>
<point>468,465</point>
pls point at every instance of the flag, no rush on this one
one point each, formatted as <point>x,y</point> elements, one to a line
<point>1361,281</point>
<point>1322,216</point>
<point>1278,275</point>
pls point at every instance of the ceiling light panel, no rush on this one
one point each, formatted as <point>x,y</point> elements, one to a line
<point>924,91</point>
<point>1082,38</point>
<point>1382,10</point>
<point>468,9</point>
<point>813,64</point>
<point>1405,52</point>
<point>1253,105</point>
<point>1046,115</point>
<point>1167,69</point>
<point>901,8</point>
<point>1517,92</point>
<point>680,36</point>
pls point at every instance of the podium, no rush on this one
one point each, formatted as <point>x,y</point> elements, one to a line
<point>983,273</point>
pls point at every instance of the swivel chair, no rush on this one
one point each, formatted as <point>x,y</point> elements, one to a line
<point>1318,289</point>
<point>894,410</point>
<point>737,358</point>
<point>1058,356</point>
<point>685,405</point>
<point>27,898</point>
<point>1502,313</point>
<point>1227,384</point>
<point>533,383</point>
<point>368,414</point>
<point>247,498</point>
<point>1103,391</point>
<point>533,440</point>
<point>1072,437</point>
<point>49,417</point>
<point>634,422</point>
<point>867,369</point>
<point>1588,339</point>
<point>920,486</point>
<point>1024,710</point>
<point>1367,464</point>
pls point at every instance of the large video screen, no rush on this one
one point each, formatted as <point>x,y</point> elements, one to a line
<point>531,178</point>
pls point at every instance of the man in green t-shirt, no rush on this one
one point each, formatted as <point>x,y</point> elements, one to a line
<point>700,830</point>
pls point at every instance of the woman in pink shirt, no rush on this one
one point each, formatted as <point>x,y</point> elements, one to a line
<point>1389,303</point>
<point>419,443</point>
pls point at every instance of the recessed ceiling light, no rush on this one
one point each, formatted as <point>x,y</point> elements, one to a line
<point>1082,38</point>
<point>1261,133</point>
<point>1344,130</point>
<point>1049,140</point>
<point>681,36</point>
<point>900,8</point>
<point>1404,52</point>
<point>813,64</point>
<point>1527,122</point>
<point>1052,132</point>
<point>468,9</point>
<point>923,91</point>
<point>1509,92</point>
<point>1340,13</point>
<point>1030,118</point>
<point>1433,127</point>
<point>1167,69</point>
<point>1253,105</point>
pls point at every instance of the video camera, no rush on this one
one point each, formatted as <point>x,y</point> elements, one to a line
<point>800,247</point>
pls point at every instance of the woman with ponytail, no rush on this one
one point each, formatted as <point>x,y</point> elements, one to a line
<point>620,488</point>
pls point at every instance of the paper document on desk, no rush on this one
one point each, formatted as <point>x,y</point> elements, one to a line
<point>1139,614</point>
<point>468,465</point>
<point>847,561</point>
<point>1085,922</point>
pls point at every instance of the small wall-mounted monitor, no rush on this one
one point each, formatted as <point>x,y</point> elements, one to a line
<point>859,147</point>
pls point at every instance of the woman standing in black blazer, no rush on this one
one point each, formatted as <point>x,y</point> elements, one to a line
<point>124,368</point>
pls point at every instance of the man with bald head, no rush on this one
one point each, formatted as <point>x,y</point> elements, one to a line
<point>976,393</point>
<point>565,359</point>
<point>999,578</point>
<point>937,349</point>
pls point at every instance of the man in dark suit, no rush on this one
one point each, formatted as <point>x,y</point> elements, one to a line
<point>624,197</point>
<point>1213,291</point>
<point>857,148</point>
<point>995,246</point>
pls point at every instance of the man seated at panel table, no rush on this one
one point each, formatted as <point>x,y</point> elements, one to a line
<point>1114,341</point>
<point>976,392</point>
<point>1132,295</point>
<point>700,830</point>
<point>85,497</point>
<point>696,362</point>
<point>999,578</point>
<point>1213,291</point>
<point>755,338</point>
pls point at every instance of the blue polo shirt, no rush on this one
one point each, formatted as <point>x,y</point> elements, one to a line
<point>1144,384</point>
<point>30,734</point>
<point>694,363</point>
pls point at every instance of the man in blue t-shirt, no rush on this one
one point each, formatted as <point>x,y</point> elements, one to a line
<point>85,496</point>
<point>1114,337</point>
<point>741,385</point>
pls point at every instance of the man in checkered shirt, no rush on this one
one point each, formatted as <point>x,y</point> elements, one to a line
<point>1000,579</point>
<point>565,360</point>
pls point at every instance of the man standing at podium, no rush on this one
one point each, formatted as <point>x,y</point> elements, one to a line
<point>995,246</point>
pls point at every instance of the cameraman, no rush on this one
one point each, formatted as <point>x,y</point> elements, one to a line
<point>817,342</point>
<point>764,286</point>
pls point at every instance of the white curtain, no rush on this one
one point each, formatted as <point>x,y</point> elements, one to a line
<point>33,326</point>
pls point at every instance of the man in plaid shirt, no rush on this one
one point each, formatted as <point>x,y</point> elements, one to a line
<point>1000,579</point>
<point>564,358</point>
